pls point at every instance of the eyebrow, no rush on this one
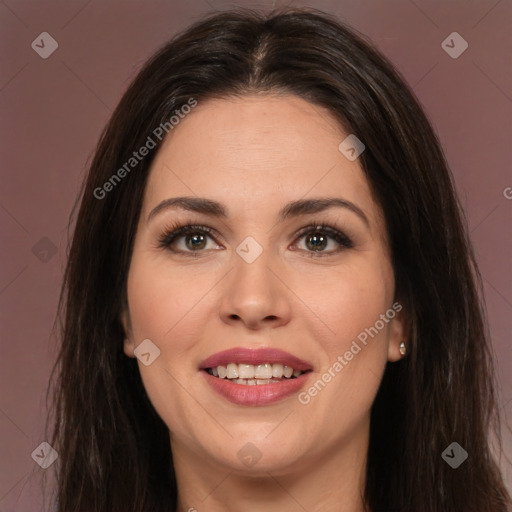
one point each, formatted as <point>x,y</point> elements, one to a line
<point>290,210</point>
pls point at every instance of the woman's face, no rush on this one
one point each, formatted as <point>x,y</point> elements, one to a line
<point>261,279</point>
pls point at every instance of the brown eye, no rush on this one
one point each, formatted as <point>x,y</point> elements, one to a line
<point>195,241</point>
<point>317,238</point>
<point>316,241</point>
<point>187,239</point>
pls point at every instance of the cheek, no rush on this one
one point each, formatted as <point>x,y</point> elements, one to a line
<point>165,302</point>
<point>347,302</point>
<point>347,306</point>
<point>355,347</point>
<point>352,361</point>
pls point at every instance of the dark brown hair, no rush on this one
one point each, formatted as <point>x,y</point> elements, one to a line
<point>114,453</point>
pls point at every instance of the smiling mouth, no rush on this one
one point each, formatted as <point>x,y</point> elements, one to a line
<point>253,375</point>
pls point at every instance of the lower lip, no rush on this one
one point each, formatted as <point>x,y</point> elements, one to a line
<point>258,394</point>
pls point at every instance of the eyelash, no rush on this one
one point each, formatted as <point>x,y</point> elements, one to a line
<point>177,230</point>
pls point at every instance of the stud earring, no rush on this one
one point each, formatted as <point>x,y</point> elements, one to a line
<point>403,348</point>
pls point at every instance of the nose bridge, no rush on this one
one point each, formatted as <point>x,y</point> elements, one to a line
<point>251,276</point>
<point>253,294</point>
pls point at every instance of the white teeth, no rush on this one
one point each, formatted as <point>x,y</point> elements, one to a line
<point>246,371</point>
<point>263,371</point>
<point>277,370</point>
<point>252,382</point>
<point>232,371</point>
<point>251,375</point>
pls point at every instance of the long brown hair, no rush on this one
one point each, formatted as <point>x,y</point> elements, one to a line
<point>114,453</point>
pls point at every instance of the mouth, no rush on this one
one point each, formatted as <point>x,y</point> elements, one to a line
<point>255,376</point>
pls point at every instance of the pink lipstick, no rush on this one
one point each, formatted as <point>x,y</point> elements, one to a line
<point>255,376</point>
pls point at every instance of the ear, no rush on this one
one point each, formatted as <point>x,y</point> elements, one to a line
<point>398,332</point>
<point>129,343</point>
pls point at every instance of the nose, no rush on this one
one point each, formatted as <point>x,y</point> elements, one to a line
<point>254,296</point>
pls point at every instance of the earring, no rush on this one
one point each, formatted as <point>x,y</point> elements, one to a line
<point>403,348</point>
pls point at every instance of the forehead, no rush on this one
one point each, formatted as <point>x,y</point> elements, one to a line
<point>256,153</point>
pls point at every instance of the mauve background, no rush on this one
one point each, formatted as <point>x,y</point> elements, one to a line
<point>53,110</point>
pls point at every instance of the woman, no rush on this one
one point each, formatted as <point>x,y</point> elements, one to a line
<point>271,301</point>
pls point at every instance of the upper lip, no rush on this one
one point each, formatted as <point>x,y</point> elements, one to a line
<point>255,356</point>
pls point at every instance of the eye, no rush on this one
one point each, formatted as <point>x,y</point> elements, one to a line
<point>187,238</point>
<point>318,237</point>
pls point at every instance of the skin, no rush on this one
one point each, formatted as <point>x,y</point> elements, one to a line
<point>254,154</point>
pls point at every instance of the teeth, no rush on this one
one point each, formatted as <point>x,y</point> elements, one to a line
<point>252,382</point>
<point>263,371</point>
<point>277,370</point>
<point>232,371</point>
<point>246,371</point>
<point>252,375</point>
